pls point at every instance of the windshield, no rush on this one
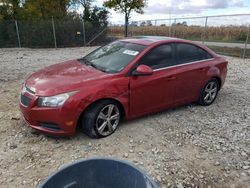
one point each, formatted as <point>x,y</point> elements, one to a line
<point>113,57</point>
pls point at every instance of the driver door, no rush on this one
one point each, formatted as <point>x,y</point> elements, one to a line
<point>154,92</point>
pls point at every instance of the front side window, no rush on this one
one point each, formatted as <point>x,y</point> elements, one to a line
<point>186,53</point>
<point>113,57</point>
<point>159,57</point>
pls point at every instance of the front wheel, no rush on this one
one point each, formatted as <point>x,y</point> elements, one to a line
<point>101,119</point>
<point>209,92</point>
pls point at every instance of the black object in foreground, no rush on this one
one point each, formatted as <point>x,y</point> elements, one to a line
<point>99,173</point>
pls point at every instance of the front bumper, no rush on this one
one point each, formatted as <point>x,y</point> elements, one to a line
<point>59,121</point>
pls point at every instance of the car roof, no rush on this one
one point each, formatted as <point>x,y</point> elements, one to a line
<point>148,40</point>
<point>152,40</point>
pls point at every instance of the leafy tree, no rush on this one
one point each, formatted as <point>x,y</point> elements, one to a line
<point>33,9</point>
<point>126,6</point>
<point>93,15</point>
<point>180,24</point>
<point>9,9</point>
<point>45,9</point>
<point>86,5</point>
<point>34,22</point>
<point>134,24</point>
<point>143,24</point>
<point>99,17</point>
<point>5,10</point>
<point>149,23</point>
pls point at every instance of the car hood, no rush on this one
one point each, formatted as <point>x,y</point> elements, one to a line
<point>62,77</point>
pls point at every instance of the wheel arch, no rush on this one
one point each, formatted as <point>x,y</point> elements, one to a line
<point>218,80</point>
<point>119,103</point>
<point>214,72</point>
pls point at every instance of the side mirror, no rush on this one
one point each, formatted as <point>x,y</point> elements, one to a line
<point>142,70</point>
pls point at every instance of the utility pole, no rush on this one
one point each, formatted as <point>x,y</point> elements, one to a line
<point>54,32</point>
<point>169,31</point>
<point>83,23</point>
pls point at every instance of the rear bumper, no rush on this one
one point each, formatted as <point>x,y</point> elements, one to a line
<point>55,121</point>
<point>223,77</point>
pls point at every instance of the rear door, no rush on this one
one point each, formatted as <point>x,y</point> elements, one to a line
<point>154,92</point>
<point>192,63</point>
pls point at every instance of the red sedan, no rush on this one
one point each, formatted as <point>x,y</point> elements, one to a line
<point>122,80</point>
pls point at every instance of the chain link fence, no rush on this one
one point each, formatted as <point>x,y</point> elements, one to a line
<point>8,35</point>
<point>50,33</point>
<point>226,34</point>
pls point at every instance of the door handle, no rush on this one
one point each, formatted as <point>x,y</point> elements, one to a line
<point>201,69</point>
<point>171,78</point>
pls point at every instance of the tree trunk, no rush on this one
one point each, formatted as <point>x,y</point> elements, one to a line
<point>126,25</point>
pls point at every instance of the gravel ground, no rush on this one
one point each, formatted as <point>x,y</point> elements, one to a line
<point>189,146</point>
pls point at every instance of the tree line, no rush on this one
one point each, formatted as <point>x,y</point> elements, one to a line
<point>34,20</point>
<point>45,9</point>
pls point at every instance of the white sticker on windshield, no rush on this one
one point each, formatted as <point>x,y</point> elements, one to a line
<point>130,52</point>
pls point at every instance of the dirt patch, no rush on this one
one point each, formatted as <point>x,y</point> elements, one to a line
<point>189,146</point>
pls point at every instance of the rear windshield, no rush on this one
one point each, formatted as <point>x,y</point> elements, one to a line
<point>114,57</point>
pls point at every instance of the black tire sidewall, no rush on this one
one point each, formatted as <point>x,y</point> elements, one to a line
<point>202,94</point>
<point>90,117</point>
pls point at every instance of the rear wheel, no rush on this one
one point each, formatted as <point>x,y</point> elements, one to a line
<point>101,119</point>
<point>209,92</point>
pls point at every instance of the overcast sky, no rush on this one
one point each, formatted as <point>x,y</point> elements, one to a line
<point>161,9</point>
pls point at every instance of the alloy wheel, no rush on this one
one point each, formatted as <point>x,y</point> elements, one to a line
<point>210,92</point>
<point>108,120</point>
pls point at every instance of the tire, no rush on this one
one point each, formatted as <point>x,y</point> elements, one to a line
<point>101,119</point>
<point>209,92</point>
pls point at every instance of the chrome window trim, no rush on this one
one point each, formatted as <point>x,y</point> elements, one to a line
<point>29,90</point>
<point>193,62</point>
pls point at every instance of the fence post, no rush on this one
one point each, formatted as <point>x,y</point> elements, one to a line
<point>54,32</point>
<point>143,33</point>
<point>205,30</point>
<point>17,33</point>
<point>132,28</point>
<point>155,27</point>
<point>169,29</point>
<point>83,32</point>
<point>174,35</point>
<point>110,31</point>
<point>244,53</point>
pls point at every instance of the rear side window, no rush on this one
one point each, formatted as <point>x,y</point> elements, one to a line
<point>159,57</point>
<point>187,53</point>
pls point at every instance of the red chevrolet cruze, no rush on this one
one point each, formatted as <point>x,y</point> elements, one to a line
<point>124,79</point>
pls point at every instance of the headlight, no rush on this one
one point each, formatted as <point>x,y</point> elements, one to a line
<point>23,89</point>
<point>54,101</point>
